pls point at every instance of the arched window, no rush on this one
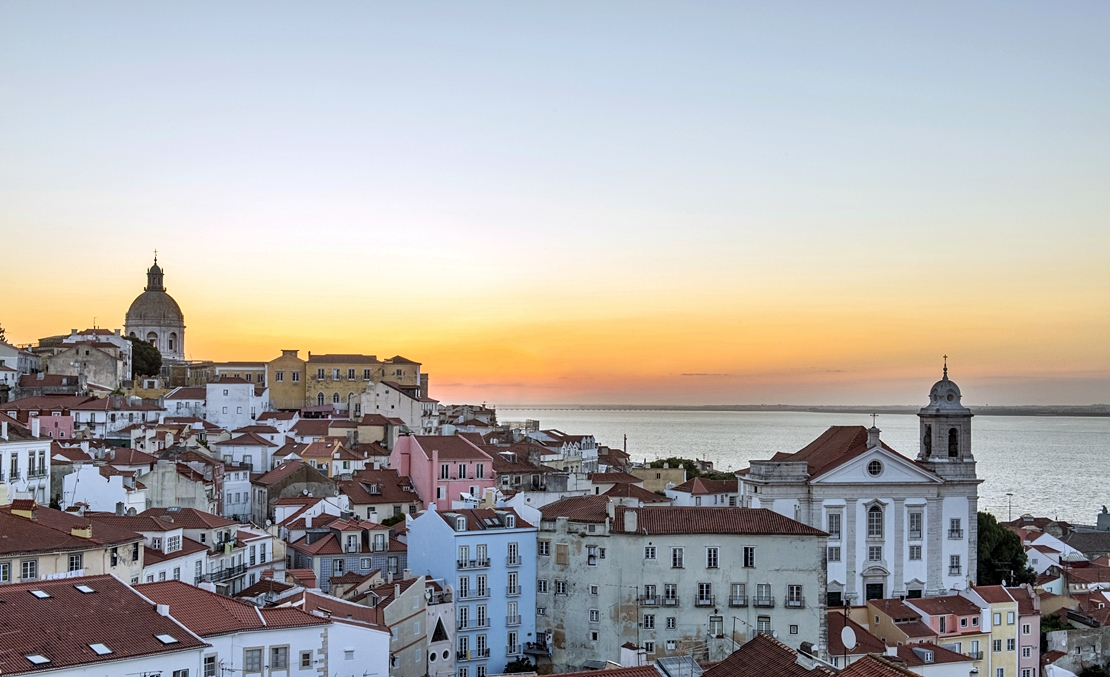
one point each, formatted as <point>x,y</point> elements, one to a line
<point>152,339</point>
<point>173,340</point>
<point>335,398</point>
<point>132,335</point>
<point>953,442</point>
<point>928,440</point>
<point>319,399</point>
<point>874,522</point>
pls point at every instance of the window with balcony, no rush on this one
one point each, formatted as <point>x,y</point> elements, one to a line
<point>794,597</point>
<point>955,530</point>
<point>954,565</point>
<point>833,524</point>
<point>874,522</point>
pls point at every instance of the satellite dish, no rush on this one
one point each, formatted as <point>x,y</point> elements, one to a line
<point>848,638</point>
<point>775,634</point>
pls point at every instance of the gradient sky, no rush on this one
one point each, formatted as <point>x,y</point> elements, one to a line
<point>578,202</point>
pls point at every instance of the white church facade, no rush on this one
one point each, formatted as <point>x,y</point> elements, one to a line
<point>897,526</point>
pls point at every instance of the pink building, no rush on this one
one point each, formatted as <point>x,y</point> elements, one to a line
<point>443,468</point>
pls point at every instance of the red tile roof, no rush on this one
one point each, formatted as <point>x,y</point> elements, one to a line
<point>700,486</point>
<point>379,486</point>
<point>865,641</point>
<point>450,447</point>
<point>835,446</point>
<point>642,495</point>
<point>949,604</point>
<point>613,477</point>
<point>190,518</point>
<point>660,520</point>
<point>52,530</point>
<point>208,614</point>
<point>994,594</point>
<point>476,518</point>
<point>248,439</point>
<point>639,671</point>
<point>940,654</point>
<point>874,666</point>
<point>1024,598</point>
<point>342,359</point>
<point>187,393</point>
<point>62,626</point>
<point>188,547</point>
<point>764,657</point>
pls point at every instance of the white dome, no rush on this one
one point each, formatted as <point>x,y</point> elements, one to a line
<point>945,395</point>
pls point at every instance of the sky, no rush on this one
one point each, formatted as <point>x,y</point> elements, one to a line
<point>620,202</point>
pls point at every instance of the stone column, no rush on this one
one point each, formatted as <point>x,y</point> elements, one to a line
<point>934,518</point>
<point>850,546</point>
<point>898,549</point>
<point>973,538</point>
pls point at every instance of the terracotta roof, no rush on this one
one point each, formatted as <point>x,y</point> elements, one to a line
<point>397,359</point>
<point>260,429</point>
<point>765,657</point>
<point>638,671</point>
<point>190,518</point>
<point>52,530</point>
<point>874,666</point>
<point>264,586</point>
<point>339,358</point>
<point>128,456</point>
<point>208,614</point>
<point>993,594</point>
<point>480,519</point>
<point>624,490</point>
<point>187,393</point>
<point>940,654</point>
<point>311,427</point>
<point>188,547</point>
<point>450,447</point>
<point>279,473</point>
<point>613,478</point>
<point>248,439</point>
<point>230,380</point>
<point>378,486</point>
<point>47,381</point>
<point>660,520</point>
<point>62,626</point>
<point>834,447</point>
<point>374,419</point>
<point>865,641</point>
<point>335,609</point>
<point>949,604</point>
<point>277,415</point>
<point>700,486</point>
<point>45,402</point>
<point>577,509</point>
<point>1024,598</point>
<point>896,609</point>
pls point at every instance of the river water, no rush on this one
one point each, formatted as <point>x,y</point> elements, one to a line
<point>1054,466</point>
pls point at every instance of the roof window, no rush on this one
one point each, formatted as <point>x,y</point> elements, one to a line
<point>37,659</point>
<point>84,589</point>
<point>166,639</point>
<point>100,649</point>
<point>40,594</point>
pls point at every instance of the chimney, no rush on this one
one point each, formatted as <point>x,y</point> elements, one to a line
<point>630,521</point>
<point>4,429</point>
<point>36,426</point>
<point>873,437</point>
<point>308,522</point>
<point>40,376</point>
<point>891,651</point>
<point>396,589</point>
<point>81,531</point>
<point>163,609</point>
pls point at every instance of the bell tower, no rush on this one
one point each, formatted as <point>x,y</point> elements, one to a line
<point>945,431</point>
<point>154,276</point>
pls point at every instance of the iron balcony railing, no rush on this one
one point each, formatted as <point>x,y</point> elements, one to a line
<point>474,563</point>
<point>705,601</point>
<point>512,650</point>
<point>955,534</point>
<point>649,601</point>
<point>512,561</point>
<point>512,590</point>
<point>795,602</point>
<point>670,601</point>
<point>537,648</point>
<point>742,600</point>
<point>512,620</point>
<point>763,602</point>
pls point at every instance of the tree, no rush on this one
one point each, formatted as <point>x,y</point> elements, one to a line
<point>390,521</point>
<point>692,469</point>
<point>1051,623</point>
<point>1001,557</point>
<point>520,665</point>
<point>3,337</point>
<point>145,358</point>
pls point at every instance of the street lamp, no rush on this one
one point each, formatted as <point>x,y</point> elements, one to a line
<point>1009,506</point>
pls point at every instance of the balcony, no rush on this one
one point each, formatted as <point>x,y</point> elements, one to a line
<point>763,602</point>
<point>14,476</point>
<point>953,571</point>
<point>462,624</point>
<point>537,648</point>
<point>915,535</point>
<point>955,534</point>
<point>512,650</point>
<point>474,563</point>
<point>795,602</point>
<point>738,601</point>
<point>975,655</point>
<point>224,574</point>
<point>480,593</point>
<point>649,601</point>
<point>481,624</point>
<point>512,620</point>
<point>440,598</point>
<point>465,594</point>
<point>33,474</point>
<point>670,601</point>
<point>512,590</point>
<point>512,561</point>
<point>705,601</point>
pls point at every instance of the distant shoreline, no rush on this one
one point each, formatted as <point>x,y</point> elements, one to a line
<point>1102,410</point>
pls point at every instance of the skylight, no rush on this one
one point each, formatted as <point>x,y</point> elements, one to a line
<point>37,659</point>
<point>40,594</point>
<point>84,589</point>
<point>100,649</point>
<point>166,639</point>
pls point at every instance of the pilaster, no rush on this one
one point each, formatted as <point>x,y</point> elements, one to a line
<point>899,546</point>
<point>851,545</point>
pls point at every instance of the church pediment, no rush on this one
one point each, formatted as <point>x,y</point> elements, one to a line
<point>877,466</point>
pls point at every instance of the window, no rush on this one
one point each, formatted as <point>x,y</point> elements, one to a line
<point>365,374</point>
<point>915,553</point>
<point>1026,652</point>
<point>1011,644</point>
<point>541,585</point>
<point>676,558</point>
<point>1025,629</point>
<point>649,552</point>
<point>296,376</point>
<point>915,526</point>
<point>763,624</point>
<point>279,658</point>
<point>595,615</point>
<point>350,374</point>
<point>319,399</point>
<point>716,626</point>
<point>712,558</point>
<point>996,645</point>
<point>875,553</point>
<point>593,590</point>
<point>794,597</point>
<point>875,468</point>
<point>337,567</point>
<point>833,520</point>
<point>29,569</point>
<point>560,587</point>
<point>5,572</point>
<point>1000,672</point>
<point>209,666</point>
<point>349,654</point>
<point>1009,618</point>
<point>763,594</point>
<point>593,635</point>
<point>185,672</point>
<point>649,647</point>
<point>279,376</point>
<point>335,398</point>
<point>874,521</point>
<point>749,556</point>
<point>834,553</point>
<point>705,593</point>
<point>954,529</point>
<point>793,629</point>
<point>177,573</point>
<point>252,660</point>
<point>954,565</point>
<point>562,553</point>
<point>76,562</point>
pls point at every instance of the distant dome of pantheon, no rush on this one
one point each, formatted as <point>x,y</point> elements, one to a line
<point>156,318</point>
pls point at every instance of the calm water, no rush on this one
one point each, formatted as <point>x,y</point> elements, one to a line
<point>1055,466</point>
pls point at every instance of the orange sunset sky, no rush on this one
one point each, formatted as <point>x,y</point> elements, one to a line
<point>577,204</point>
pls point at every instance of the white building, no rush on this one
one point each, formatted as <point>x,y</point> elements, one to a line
<point>705,492</point>
<point>23,361</point>
<point>392,401</point>
<point>24,461</point>
<point>237,493</point>
<point>358,641</point>
<point>185,401</point>
<point>103,488</point>
<point>247,449</point>
<point>233,403</point>
<point>108,416</point>
<point>897,526</point>
<point>672,581</point>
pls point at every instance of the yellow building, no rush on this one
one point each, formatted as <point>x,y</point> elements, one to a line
<point>341,379</point>
<point>43,543</point>
<point>286,376</point>
<point>659,479</point>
